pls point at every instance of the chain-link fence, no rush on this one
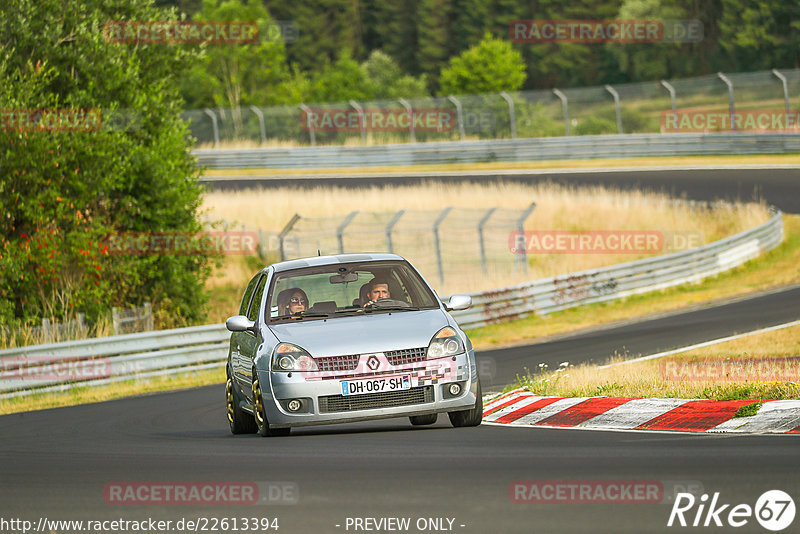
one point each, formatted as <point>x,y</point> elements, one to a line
<point>455,247</point>
<point>693,104</point>
<point>451,245</point>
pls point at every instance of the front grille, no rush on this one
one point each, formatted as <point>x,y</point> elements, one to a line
<point>338,363</point>
<point>385,399</point>
<point>402,357</point>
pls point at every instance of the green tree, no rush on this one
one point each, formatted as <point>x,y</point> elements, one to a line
<point>232,76</point>
<point>385,79</point>
<point>61,192</point>
<point>490,66</point>
<point>340,81</point>
<point>761,34</point>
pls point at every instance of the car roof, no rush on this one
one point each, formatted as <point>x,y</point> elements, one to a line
<point>314,261</point>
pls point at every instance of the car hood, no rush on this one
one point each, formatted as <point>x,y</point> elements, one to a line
<point>361,334</point>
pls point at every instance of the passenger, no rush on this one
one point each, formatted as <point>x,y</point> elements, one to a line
<point>292,301</point>
<point>377,289</point>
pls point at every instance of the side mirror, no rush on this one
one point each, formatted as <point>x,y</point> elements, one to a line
<point>458,302</point>
<point>239,323</point>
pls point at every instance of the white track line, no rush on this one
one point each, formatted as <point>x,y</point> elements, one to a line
<point>704,344</point>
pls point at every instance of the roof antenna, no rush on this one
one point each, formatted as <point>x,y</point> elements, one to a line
<point>319,253</point>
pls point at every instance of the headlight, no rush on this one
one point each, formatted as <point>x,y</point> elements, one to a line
<point>288,357</point>
<point>445,343</point>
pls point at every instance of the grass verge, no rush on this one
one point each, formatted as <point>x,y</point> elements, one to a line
<point>770,159</point>
<point>778,267</point>
<point>759,366</point>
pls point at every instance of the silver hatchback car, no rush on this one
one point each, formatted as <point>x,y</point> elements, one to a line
<point>352,337</point>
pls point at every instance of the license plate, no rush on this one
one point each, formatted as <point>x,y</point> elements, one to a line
<point>376,385</point>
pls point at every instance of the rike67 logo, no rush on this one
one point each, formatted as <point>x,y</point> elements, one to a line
<point>774,510</point>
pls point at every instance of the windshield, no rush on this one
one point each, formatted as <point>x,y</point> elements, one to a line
<point>342,289</point>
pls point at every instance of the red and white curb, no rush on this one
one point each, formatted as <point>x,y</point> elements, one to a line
<point>522,408</point>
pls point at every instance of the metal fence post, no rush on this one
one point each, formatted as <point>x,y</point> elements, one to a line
<point>459,115</point>
<point>673,101</point>
<point>47,331</point>
<point>512,116</point>
<point>115,320</point>
<point>284,232</point>
<point>436,245</point>
<point>564,108</point>
<point>340,230</point>
<point>148,316</point>
<point>261,126</point>
<point>522,256</point>
<point>782,78</point>
<point>211,114</point>
<point>362,123</point>
<point>481,224</point>
<point>730,99</point>
<point>410,111</point>
<point>389,228</point>
<point>311,134</point>
<point>615,95</point>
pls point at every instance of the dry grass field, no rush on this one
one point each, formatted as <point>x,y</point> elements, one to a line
<point>558,208</point>
<point>759,366</point>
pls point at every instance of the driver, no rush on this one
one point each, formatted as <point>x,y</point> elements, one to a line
<point>377,289</point>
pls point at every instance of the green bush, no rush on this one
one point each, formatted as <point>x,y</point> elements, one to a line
<point>62,192</point>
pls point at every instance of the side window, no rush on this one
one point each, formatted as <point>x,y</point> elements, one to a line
<point>248,292</point>
<point>253,313</point>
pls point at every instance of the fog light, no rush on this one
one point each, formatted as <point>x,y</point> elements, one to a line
<point>294,405</point>
<point>455,389</point>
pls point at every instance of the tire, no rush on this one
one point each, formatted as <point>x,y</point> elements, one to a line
<point>262,425</point>
<point>472,417</point>
<point>419,420</point>
<point>240,421</point>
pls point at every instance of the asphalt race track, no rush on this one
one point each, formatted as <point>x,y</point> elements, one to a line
<point>644,336</point>
<point>778,186</point>
<point>57,463</point>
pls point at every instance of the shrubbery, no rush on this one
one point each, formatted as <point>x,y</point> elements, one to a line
<point>62,192</point>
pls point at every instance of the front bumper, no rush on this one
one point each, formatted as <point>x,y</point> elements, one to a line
<point>323,402</point>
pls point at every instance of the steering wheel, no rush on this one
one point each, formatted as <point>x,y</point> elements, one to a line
<point>390,302</point>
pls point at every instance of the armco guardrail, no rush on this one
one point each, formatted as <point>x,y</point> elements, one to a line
<point>100,361</point>
<point>105,360</point>
<point>540,148</point>
<point>596,285</point>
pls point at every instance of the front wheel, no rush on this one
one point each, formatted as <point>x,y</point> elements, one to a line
<point>239,421</point>
<point>471,417</point>
<point>262,425</point>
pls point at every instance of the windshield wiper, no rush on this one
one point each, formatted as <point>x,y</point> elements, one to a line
<point>300,316</point>
<point>395,307</point>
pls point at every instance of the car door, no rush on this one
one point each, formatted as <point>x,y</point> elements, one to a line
<point>248,342</point>
<point>236,337</point>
